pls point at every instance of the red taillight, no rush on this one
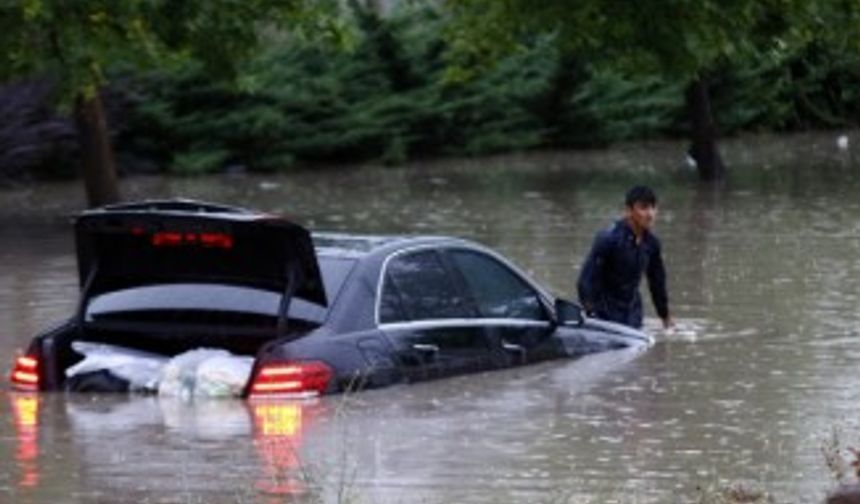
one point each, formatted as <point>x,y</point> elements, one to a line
<point>295,378</point>
<point>175,239</point>
<point>25,374</point>
<point>217,240</point>
<point>166,239</point>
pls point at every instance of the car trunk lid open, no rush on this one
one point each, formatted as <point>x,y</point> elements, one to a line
<point>123,248</point>
<point>134,247</point>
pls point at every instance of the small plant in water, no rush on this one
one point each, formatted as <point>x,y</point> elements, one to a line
<point>844,465</point>
<point>736,493</point>
<point>855,464</point>
<point>843,462</point>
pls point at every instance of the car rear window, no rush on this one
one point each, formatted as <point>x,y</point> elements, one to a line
<point>202,297</point>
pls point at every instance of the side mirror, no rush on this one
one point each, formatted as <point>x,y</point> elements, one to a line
<point>568,313</point>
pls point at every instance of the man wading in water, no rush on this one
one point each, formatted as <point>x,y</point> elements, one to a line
<point>609,282</point>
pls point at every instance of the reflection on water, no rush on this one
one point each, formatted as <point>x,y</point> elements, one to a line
<point>765,284</point>
<point>162,450</point>
<point>278,439</point>
<point>25,415</point>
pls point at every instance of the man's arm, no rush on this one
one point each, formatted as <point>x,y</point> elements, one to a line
<point>657,284</point>
<point>590,283</point>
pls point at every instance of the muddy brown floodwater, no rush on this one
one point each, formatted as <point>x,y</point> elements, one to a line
<point>764,279</point>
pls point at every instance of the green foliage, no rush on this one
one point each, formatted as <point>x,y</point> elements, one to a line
<point>485,76</point>
<point>386,99</point>
<point>392,98</point>
<point>204,159</point>
<point>825,87</point>
<point>77,41</point>
<point>677,39</point>
<point>626,108</point>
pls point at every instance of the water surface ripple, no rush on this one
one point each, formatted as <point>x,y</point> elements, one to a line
<point>764,280</point>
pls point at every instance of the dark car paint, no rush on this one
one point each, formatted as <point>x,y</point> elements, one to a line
<point>362,352</point>
<point>403,352</point>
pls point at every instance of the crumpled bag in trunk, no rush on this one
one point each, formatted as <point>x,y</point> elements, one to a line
<point>203,372</point>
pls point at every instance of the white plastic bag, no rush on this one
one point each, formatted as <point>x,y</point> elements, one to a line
<point>205,372</point>
<point>223,376</point>
<point>140,369</point>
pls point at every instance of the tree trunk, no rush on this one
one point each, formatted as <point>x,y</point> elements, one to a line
<point>99,167</point>
<point>553,107</point>
<point>703,148</point>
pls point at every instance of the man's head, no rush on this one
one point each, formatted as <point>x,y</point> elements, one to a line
<point>640,208</point>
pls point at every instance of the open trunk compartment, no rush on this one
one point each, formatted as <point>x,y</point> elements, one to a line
<point>59,355</point>
<point>137,246</point>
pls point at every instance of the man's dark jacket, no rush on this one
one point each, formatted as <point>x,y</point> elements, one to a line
<point>609,282</point>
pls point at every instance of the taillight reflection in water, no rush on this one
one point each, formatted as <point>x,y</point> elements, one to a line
<point>278,428</point>
<point>25,414</point>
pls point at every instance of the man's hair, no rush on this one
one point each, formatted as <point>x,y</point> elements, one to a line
<point>640,194</point>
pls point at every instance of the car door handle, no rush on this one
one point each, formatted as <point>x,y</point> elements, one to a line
<point>513,348</point>
<point>427,348</point>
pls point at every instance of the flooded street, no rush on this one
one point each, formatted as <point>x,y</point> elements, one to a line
<point>764,279</point>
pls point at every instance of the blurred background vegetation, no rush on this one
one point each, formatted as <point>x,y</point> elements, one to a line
<point>388,93</point>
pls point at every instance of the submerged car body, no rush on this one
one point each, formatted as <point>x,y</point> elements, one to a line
<point>319,314</point>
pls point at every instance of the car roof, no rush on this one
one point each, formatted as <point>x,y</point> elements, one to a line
<point>357,246</point>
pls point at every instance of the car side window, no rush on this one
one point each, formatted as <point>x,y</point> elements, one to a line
<point>499,291</point>
<point>390,307</point>
<point>417,286</point>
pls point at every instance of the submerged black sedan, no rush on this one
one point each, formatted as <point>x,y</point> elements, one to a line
<point>318,314</point>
